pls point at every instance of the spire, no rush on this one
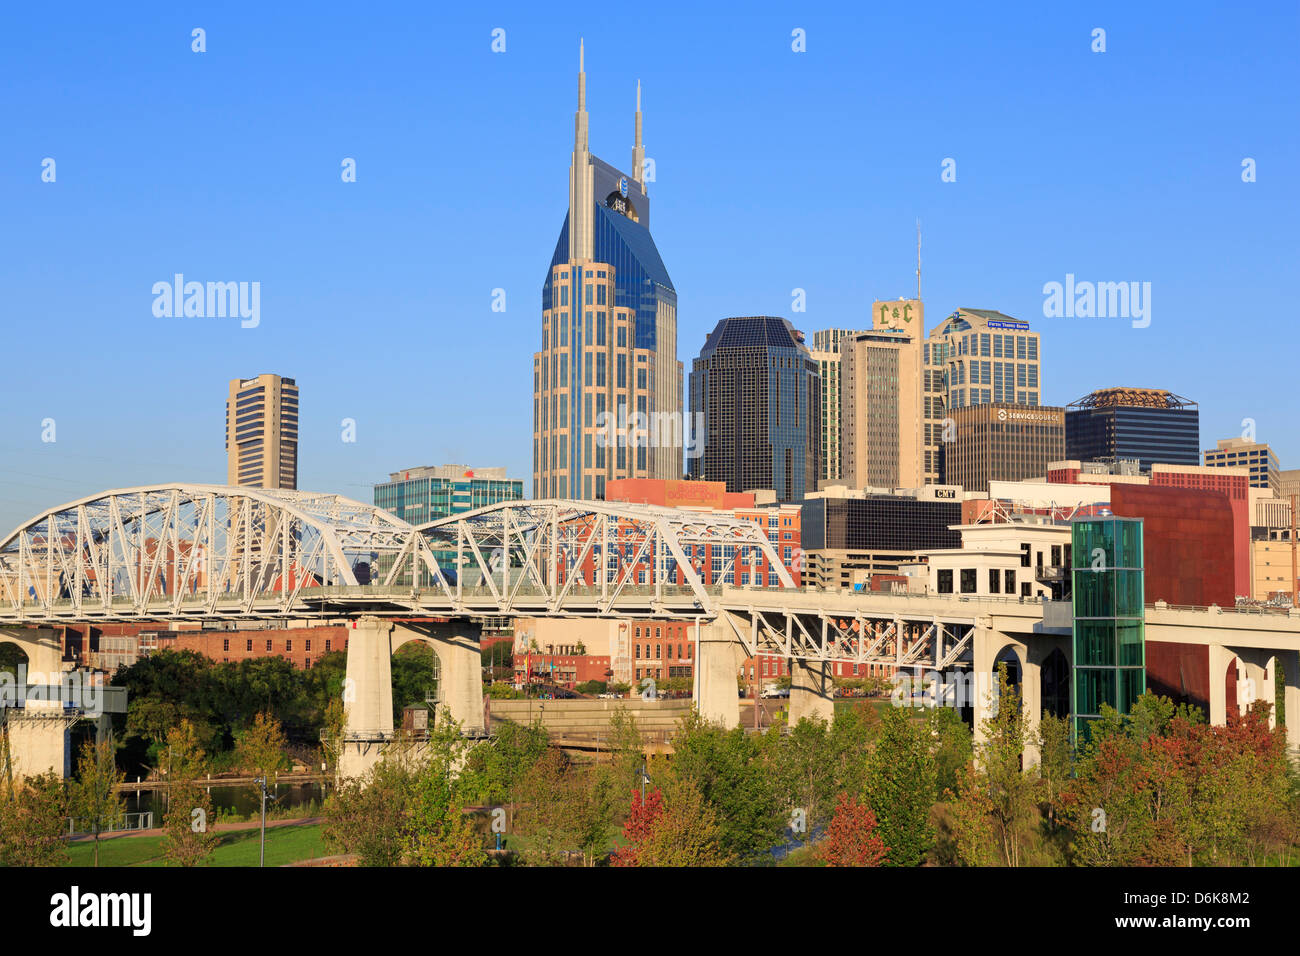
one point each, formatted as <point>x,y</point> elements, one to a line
<point>580,118</point>
<point>638,151</point>
<point>580,172</point>
<point>918,260</point>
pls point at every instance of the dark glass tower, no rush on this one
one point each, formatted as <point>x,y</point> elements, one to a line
<point>1147,424</point>
<point>757,388</point>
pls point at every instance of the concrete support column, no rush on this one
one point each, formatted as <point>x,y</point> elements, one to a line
<point>1031,698</point>
<point>720,657</point>
<point>984,650</point>
<point>1220,658</point>
<point>38,734</point>
<point>1257,682</point>
<point>812,691</point>
<point>1289,661</point>
<point>368,690</point>
<point>460,682</point>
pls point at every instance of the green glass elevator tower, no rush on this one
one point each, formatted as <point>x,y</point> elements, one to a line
<point>1109,618</point>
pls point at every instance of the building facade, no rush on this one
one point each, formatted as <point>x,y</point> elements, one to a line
<point>1240,453</point>
<point>1147,424</point>
<point>849,538</point>
<point>606,383</point>
<point>262,432</point>
<point>826,353</point>
<point>421,495</point>
<point>975,357</point>
<point>757,393</point>
<point>881,399</point>
<point>1000,442</point>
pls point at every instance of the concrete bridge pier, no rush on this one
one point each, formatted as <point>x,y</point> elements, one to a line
<point>812,691</point>
<point>718,661</point>
<point>38,733</point>
<point>368,691</point>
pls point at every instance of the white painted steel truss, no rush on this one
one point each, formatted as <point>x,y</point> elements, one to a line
<point>919,642</point>
<point>181,550</point>
<point>209,551</point>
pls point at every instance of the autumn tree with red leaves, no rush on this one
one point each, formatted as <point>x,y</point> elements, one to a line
<point>852,838</point>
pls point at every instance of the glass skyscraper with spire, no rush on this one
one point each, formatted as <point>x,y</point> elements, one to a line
<point>607,392</point>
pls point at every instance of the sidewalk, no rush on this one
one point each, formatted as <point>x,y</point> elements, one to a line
<point>215,828</point>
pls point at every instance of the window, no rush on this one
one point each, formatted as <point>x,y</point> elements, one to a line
<point>995,581</point>
<point>327,645</point>
<point>638,652</point>
<point>250,644</point>
<point>1024,555</point>
<point>308,643</point>
<point>1009,581</point>
<point>945,580</point>
<point>268,645</point>
<point>969,581</point>
<point>288,644</point>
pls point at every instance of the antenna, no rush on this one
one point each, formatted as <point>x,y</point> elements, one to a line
<point>918,260</point>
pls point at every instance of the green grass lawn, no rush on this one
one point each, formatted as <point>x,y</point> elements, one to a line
<point>284,844</point>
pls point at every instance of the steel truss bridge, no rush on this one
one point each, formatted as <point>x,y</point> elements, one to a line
<point>209,553</point>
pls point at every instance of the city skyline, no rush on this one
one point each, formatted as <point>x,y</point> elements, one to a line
<point>374,267</point>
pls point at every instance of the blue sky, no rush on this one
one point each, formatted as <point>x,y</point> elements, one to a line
<point>776,170</point>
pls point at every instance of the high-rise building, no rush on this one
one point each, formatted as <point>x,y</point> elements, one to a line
<point>421,495</point>
<point>262,432</point>
<point>1002,442</point>
<point>881,399</point>
<point>606,383</point>
<point>1147,424</point>
<point>1259,458</point>
<point>756,390</point>
<point>826,353</point>
<point>974,357</point>
<point>1288,483</point>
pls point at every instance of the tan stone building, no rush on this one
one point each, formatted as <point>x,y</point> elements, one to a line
<point>881,399</point>
<point>826,353</point>
<point>262,432</point>
<point>1240,453</point>
<point>1270,566</point>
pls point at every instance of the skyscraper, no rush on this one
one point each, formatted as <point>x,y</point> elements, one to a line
<point>881,408</point>
<point>975,357</point>
<point>756,387</point>
<point>606,384</point>
<point>262,432</point>
<point>1147,424</point>
<point>826,353</point>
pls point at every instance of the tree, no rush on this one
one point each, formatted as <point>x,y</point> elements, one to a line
<point>900,786</point>
<point>1056,756</point>
<point>852,838</point>
<point>33,821</point>
<point>640,824</point>
<point>492,772</point>
<point>187,840</point>
<point>727,769</point>
<point>93,797</point>
<point>1001,764</point>
<point>951,745</point>
<point>260,748</point>
<point>686,830</point>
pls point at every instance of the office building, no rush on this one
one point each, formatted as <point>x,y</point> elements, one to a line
<point>1288,483</point>
<point>1240,453</point>
<point>1148,424</point>
<point>756,391</point>
<point>975,357</point>
<point>421,495</point>
<point>852,536</point>
<point>262,432</point>
<point>1001,442</point>
<point>606,383</point>
<point>881,399</point>
<point>826,353</point>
